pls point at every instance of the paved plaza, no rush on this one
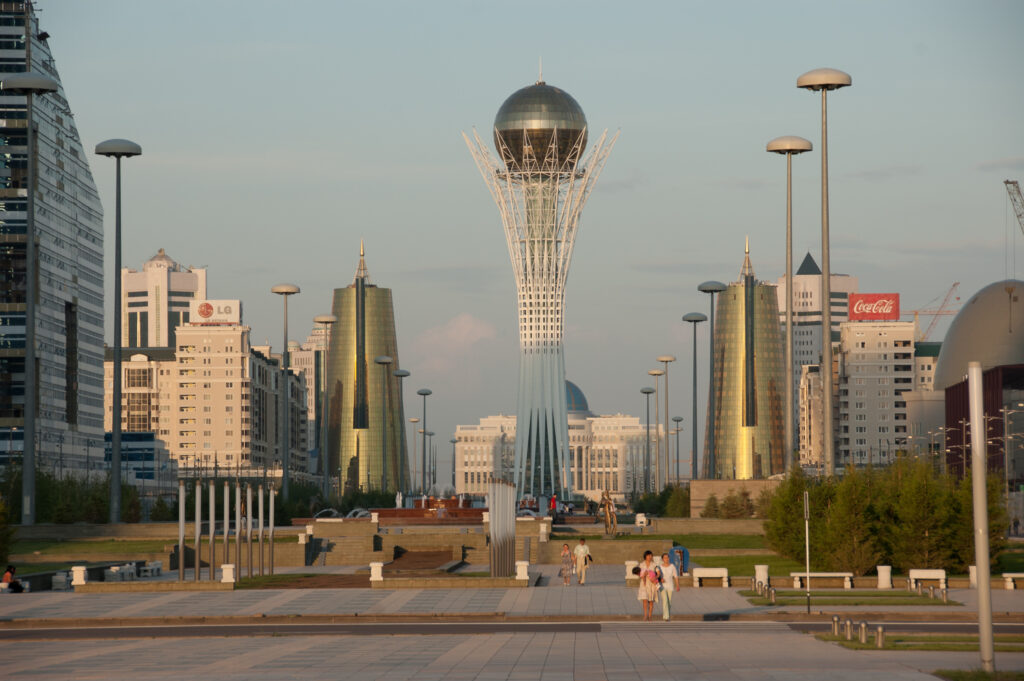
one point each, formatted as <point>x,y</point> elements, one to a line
<point>606,647</point>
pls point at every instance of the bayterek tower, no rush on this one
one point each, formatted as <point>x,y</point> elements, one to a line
<point>540,182</point>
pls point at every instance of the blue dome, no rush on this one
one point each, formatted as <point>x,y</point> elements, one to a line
<point>575,400</point>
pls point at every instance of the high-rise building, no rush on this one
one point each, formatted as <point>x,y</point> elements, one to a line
<point>749,378</point>
<point>67,268</point>
<point>156,301</point>
<point>367,446</point>
<point>307,359</point>
<point>540,186</point>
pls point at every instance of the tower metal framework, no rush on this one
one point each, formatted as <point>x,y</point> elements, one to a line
<point>540,186</point>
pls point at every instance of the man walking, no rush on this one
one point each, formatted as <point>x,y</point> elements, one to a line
<point>582,555</point>
<point>669,585</point>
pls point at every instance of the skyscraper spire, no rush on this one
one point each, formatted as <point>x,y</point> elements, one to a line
<point>748,269</point>
<point>361,271</point>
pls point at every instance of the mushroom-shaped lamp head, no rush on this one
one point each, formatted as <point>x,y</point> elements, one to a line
<point>402,373</point>
<point>424,392</point>
<point>789,144</point>
<point>326,319</point>
<point>694,317</point>
<point>711,287</point>
<point>285,289</point>
<point>824,79</point>
<point>666,358</point>
<point>647,390</point>
<point>382,359</point>
<point>118,148</point>
<point>656,372</point>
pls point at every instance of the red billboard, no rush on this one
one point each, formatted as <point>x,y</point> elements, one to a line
<point>874,307</point>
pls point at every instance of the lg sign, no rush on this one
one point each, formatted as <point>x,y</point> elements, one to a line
<point>874,307</point>
<point>215,311</point>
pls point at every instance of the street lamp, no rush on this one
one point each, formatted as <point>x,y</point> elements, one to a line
<point>403,470</point>
<point>453,441</point>
<point>326,321</point>
<point>118,149</point>
<point>433,464</point>
<point>415,454</point>
<point>678,420</point>
<point>647,391</point>
<point>789,146</point>
<point>711,288</point>
<point>665,359</point>
<point>696,318</point>
<point>825,80</point>
<point>384,361</point>
<point>656,373</point>
<point>285,290</point>
<point>424,392</point>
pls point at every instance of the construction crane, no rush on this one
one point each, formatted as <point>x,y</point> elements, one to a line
<point>942,310</point>
<point>1013,189</point>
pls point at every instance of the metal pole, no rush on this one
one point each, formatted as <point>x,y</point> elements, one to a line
<point>693,451</point>
<point>826,299</point>
<point>424,490</point>
<point>384,427</point>
<point>710,464</point>
<point>115,434</point>
<point>259,530</point>
<point>807,547</point>
<point>789,313</point>
<point>981,557</point>
<point>227,523</point>
<point>181,530</point>
<point>28,454</point>
<point>197,492</point>
<point>657,439</point>
<point>248,523</point>
<point>647,445</point>
<point>212,513</point>
<point>286,445</point>
<point>273,494</point>
<point>238,529</point>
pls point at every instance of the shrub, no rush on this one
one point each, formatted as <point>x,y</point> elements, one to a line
<point>678,505</point>
<point>711,509</point>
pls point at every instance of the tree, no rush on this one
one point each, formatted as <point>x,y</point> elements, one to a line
<point>737,505</point>
<point>852,528</point>
<point>784,526</point>
<point>962,524</point>
<point>711,509</point>
<point>678,505</point>
<point>921,534</point>
<point>6,532</point>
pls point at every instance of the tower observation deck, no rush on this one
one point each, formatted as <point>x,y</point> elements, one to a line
<point>540,182</point>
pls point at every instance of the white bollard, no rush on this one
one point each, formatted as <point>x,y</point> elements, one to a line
<point>641,520</point>
<point>227,573</point>
<point>521,572</point>
<point>545,529</point>
<point>884,576</point>
<point>973,572</point>
<point>377,572</point>
<point>487,517</point>
<point>303,537</point>
<point>761,575</point>
<point>374,517</point>
<point>630,564</point>
<point>78,575</point>
<point>309,530</point>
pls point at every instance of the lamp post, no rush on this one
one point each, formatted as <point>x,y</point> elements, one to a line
<point>285,290</point>
<point>415,452</point>
<point>326,321</point>
<point>118,149</point>
<point>647,391</point>
<point>711,288</point>
<point>665,360</point>
<point>678,420</point>
<point>696,318</point>
<point>385,362</point>
<point>453,441</point>
<point>656,373</point>
<point>825,80</point>
<point>424,392</point>
<point>789,146</point>
<point>433,465</point>
<point>403,470</point>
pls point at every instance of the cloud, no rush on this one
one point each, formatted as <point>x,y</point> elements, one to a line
<point>443,348</point>
<point>1010,163</point>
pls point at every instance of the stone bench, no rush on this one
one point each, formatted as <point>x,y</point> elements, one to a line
<point>1008,578</point>
<point>921,574</point>
<point>700,573</point>
<point>154,569</point>
<point>798,578</point>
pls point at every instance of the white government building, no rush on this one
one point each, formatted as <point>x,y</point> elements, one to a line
<point>606,450</point>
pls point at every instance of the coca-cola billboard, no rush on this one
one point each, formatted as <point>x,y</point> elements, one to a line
<point>874,307</point>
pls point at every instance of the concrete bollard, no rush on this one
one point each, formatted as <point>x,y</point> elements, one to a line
<point>227,573</point>
<point>835,625</point>
<point>761,574</point>
<point>931,592</point>
<point>920,588</point>
<point>945,595</point>
<point>309,530</point>
<point>884,576</point>
<point>771,594</point>
<point>972,572</point>
<point>303,537</point>
<point>862,635</point>
<point>545,529</point>
<point>78,575</point>
<point>880,637</point>
<point>374,517</point>
<point>376,572</point>
<point>848,629</point>
<point>630,564</point>
<point>487,517</point>
<point>521,570</point>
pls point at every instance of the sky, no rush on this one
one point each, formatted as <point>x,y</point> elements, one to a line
<point>277,135</point>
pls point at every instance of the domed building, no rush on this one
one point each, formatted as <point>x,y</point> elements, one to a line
<point>988,329</point>
<point>156,300</point>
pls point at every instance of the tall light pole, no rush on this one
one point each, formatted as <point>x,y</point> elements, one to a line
<point>453,441</point>
<point>118,149</point>
<point>326,321</point>
<point>696,318</point>
<point>385,363</point>
<point>647,391</point>
<point>665,359</point>
<point>285,290</point>
<point>825,80</point>
<point>424,392</point>
<point>415,453</point>
<point>656,373</point>
<point>433,464</point>
<point>29,84</point>
<point>789,146</point>
<point>403,471</point>
<point>711,288</point>
<point>678,420</point>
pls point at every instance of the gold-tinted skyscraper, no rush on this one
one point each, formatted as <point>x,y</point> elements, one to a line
<point>362,394</point>
<point>749,410</point>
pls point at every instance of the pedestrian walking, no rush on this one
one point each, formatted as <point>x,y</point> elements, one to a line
<point>669,585</point>
<point>566,570</point>
<point>582,556</point>
<point>648,589</point>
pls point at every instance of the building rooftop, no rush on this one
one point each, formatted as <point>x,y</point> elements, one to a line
<point>808,266</point>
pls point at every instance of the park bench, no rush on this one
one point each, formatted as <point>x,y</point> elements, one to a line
<point>700,573</point>
<point>154,569</point>
<point>917,575</point>
<point>798,578</point>
<point>1008,578</point>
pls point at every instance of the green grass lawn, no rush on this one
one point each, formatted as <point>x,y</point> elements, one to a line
<point>852,597</point>
<point>743,566</point>
<point>1004,643</point>
<point>1009,561</point>
<point>690,541</point>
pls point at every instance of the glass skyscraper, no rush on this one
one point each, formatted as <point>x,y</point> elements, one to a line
<point>69,262</point>
<point>749,410</point>
<point>363,395</point>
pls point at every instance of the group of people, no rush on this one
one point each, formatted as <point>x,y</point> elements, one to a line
<point>658,581</point>
<point>575,562</point>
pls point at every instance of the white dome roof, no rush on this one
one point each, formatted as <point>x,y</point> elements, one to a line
<point>988,329</point>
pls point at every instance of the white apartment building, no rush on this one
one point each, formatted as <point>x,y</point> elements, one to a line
<point>877,368</point>
<point>212,399</point>
<point>156,301</point>
<point>810,431</point>
<point>307,359</point>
